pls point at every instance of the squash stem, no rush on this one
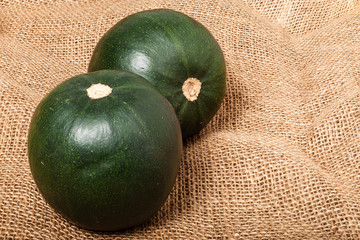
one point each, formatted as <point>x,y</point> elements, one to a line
<point>96,91</point>
<point>191,89</point>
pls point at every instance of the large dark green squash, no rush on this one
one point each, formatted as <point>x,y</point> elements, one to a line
<point>105,162</point>
<point>168,48</point>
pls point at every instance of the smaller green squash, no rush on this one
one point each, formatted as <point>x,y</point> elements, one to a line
<point>174,52</point>
<point>104,149</point>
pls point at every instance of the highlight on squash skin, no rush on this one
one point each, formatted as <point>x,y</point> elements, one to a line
<point>191,89</point>
<point>96,91</point>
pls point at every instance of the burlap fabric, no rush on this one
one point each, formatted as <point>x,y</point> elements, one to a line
<point>280,160</point>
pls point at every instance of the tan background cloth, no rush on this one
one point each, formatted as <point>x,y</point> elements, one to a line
<point>280,160</point>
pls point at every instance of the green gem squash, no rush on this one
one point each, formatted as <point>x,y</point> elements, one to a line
<point>104,149</point>
<point>177,54</point>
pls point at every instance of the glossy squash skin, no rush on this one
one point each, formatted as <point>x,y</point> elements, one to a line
<point>167,47</point>
<point>107,163</point>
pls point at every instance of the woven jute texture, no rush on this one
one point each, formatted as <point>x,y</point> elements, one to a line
<point>280,160</point>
